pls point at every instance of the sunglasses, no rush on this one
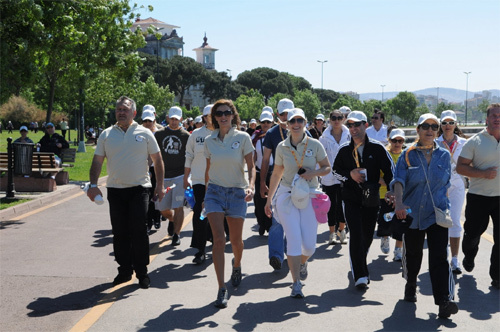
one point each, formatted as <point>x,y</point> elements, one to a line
<point>296,120</point>
<point>400,141</point>
<point>426,126</point>
<point>354,124</point>
<point>444,123</point>
<point>333,118</point>
<point>375,118</point>
<point>147,121</point>
<point>266,122</point>
<point>221,113</point>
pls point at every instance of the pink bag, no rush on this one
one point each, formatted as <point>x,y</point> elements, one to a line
<point>321,205</point>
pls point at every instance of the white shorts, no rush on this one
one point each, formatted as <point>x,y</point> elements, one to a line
<point>175,197</point>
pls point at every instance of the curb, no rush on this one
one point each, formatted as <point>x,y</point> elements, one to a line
<point>43,199</point>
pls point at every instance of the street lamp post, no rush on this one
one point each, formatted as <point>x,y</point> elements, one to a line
<point>229,71</point>
<point>466,93</point>
<point>158,37</point>
<point>322,62</point>
<point>382,85</point>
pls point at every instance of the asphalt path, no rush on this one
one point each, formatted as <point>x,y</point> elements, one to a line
<point>57,265</point>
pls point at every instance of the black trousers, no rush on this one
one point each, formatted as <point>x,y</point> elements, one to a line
<point>153,214</point>
<point>127,209</point>
<point>478,211</point>
<point>361,222</point>
<point>200,227</point>
<point>386,228</point>
<point>336,212</point>
<point>442,281</point>
<point>260,203</point>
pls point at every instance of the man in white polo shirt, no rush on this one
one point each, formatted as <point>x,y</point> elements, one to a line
<point>126,145</point>
<point>172,141</point>
<point>378,130</point>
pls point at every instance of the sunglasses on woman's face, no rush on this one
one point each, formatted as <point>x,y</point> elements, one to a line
<point>444,123</point>
<point>221,113</point>
<point>298,120</point>
<point>426,126</point>
<point>354,124</point>
<point>333,118</point>
<point>400,141</point>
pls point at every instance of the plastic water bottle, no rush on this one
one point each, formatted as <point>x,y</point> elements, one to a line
<point>203,214</point>
<point>389,215</point>
<point>98,199</point>
<point>188,194</point>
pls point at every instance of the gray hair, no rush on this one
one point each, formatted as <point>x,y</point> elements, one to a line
<point>122,99</point>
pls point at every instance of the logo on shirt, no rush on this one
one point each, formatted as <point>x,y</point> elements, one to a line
<point>200,140</point>
<point>309,153</point>
<point>139,138</point>
<point>235,145</point>
<point>172,145</point>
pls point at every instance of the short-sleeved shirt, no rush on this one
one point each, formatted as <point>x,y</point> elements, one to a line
<point>195,154</point>
<point>64,125</point>
<point>227,158</point>
<point>172,144</point>
<point>127,154</point>
<point>314,153</point>
<point>274,137</point>
<point>380,135</point>
<point>484,151</point>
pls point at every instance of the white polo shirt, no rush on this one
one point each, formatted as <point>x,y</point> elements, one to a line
<point>227,158</point>
<point>127,155</point>
<point>484,151</point>
<point>380,135</point>
<point>195,155</point>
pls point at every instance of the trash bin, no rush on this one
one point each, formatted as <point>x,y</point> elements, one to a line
<point>23,156</point>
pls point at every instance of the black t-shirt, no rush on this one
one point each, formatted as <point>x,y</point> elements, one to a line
<point>172,145</point>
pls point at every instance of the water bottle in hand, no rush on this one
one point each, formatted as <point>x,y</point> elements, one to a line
<point>389,215</point>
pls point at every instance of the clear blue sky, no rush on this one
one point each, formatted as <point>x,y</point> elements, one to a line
<point>402,44</point>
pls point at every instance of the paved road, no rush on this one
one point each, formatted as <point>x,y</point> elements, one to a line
<point>56,269</point>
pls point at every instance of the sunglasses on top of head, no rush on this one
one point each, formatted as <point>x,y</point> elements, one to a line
<point>221,113</point>
<point>333,118</point>
<point>426,126</point>
<point>298,120</point>
<point>354,124</point>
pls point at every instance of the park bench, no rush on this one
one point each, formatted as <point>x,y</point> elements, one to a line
<point>68,156</point>
<point>44,172</point>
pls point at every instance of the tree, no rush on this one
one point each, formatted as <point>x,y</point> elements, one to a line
<point>404,105</point>
<point>148,69</point>
<point>308,102</point>
<point>299,83</point>
<point>267,81</point>
<point>327,98</point>
<point>184,72</point>
<point>215,85</point>
<point>249,105</point>
<point>345,100</point>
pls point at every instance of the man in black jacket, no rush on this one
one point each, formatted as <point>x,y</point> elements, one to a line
<point>52,141</point>
<point>358,165</point>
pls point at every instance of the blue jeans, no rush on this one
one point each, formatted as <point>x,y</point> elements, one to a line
<point>276,241</point>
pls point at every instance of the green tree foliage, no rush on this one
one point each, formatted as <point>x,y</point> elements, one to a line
<point>369,107</point>
<point>327,98</point>
<point>266,81</point>
<point>184,72</point>
<point>404,105</point>
<point>249,105</point>
<point>483,106</point>
<point>21,112</point>
<point>216,85</point>
<point>308,102</point>
<point>148,69</point>
<point>441,107</point>
<point>299,83</point>
<point>345,100</point>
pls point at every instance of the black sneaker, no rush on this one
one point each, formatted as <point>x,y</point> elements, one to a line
<point>121,278</point>
<point>170,228</point>
<point>495,284</point>
<point>176,240</point>
<point>236,276</point>
<point>262,230</point>
<point>275,263</point>
<point>221,301</point>
<point>411,292</point>
<point>447,308</point>
<point>468,264</point>
<point>199,258</point>
<point>157,223</point>
<point>144,282</point>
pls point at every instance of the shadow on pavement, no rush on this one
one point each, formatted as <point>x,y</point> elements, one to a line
<point>103,238</point>
<point>177,318</point>
<point>481,305</point>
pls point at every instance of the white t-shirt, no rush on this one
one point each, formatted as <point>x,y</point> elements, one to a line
<point>380,135</point>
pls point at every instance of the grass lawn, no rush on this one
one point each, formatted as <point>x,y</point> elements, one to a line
<point>82,162</point>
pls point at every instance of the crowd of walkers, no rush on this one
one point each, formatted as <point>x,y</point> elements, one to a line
<point>359,178</point>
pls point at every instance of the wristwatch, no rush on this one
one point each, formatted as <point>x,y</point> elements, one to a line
<point>93,185</point>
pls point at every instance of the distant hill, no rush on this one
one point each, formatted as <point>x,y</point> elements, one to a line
<point>451,95</point>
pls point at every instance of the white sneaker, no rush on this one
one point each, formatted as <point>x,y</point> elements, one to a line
<point>303,271</point>
<point>332,239</point>
<point>385,245</point>
<point>455,265</point>
<point>398,254</point>
<point>362,282</point>
<point>297,290</point>
<point>342,236</point>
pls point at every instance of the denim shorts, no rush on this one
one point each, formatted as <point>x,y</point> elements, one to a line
<point>230,201</point>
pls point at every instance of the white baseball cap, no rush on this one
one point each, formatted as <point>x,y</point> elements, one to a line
<point>207,109</point>
<point>23,128</point>
<point>356,116</point>
<point>448,114</point>
<point>267,109</point>
<point>175,112</point>
<point>198,119</point>
<point>149,108</point>
<point>397,133</point>
<point>427,116</point>
<point>345,110</point>
<point>243,122</point>
<point>320,117</point>
<point>147,115</point>
<point>266,116</point>
<point>253,121</point>
<point>295,112</point>
<point>285,105</point>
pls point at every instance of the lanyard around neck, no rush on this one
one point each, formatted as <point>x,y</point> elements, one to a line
<point>281,133</point>
<point>418,147</point>
<point>303,153</point>
<point>355,154</point>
